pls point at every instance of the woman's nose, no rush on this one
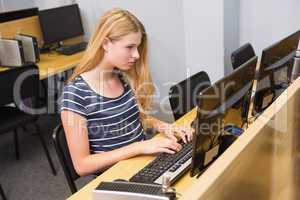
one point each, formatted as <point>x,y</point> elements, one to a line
<point>136,54</point>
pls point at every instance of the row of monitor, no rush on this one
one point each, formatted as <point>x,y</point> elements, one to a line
<point>236,92</point>
<point>57,24</point>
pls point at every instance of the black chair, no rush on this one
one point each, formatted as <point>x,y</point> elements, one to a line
<point>64,156</point>
<point>21,87</point>
<point>183,96</point>
<point>242,55</point>
<point>2,193</point>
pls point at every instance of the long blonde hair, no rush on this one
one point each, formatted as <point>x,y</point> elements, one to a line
<point>113,25</point>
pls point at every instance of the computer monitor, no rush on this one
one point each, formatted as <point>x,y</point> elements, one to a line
<point>215,105</point>
<point>275,69</point>
<point>60,23</point>
<point>18,14</point>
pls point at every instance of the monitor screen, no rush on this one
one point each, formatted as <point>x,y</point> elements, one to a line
<point>60,23</point>
<point>218,106</point>
<point>275,69</point>
<point>18,14</point>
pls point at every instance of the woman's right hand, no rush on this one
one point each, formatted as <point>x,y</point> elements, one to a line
<point>159,144</point>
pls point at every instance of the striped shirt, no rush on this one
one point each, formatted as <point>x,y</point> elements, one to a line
<point>111,122</point>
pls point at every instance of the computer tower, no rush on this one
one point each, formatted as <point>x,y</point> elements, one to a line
<point>30,47</point>
<point>11,53</point>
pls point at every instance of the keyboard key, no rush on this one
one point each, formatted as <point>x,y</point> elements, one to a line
<point>72,49</point>
<point>163,163</point>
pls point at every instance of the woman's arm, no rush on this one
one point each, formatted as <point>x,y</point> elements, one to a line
<point>86,163</point>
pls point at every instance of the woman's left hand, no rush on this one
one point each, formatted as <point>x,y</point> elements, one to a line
<point>185,132</point>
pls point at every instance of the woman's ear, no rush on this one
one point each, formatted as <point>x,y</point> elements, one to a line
<point>106,44</point>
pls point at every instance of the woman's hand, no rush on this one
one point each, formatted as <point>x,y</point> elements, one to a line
<point>185,132</point>
<point>159,144</point>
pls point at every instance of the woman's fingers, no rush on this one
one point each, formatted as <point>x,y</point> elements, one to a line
<point>192,134</point>
<point>190,137</point>
<point>172,137</point>
<point>188,133</point>
<point>166,150</point>
<point>172,145</point>
<point>183,136</point>
<point>181,132</point>
<point>184,132</point>
<point>176,146</point>
<point>171,148</point>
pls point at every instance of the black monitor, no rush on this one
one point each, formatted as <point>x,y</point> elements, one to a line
<point>60,23</point>
<point>18,14</point>
<point>275,70</point>
<point>215,104</point>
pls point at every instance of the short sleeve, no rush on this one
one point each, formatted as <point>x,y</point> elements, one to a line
<point>72,100</point>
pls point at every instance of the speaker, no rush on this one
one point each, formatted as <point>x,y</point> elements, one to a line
<point>30,48</point>
<point>11,53</point>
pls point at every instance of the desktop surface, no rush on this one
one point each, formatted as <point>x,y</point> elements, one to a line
<point>127,168</point>
<point>235,167</point>
<point>53,63</point>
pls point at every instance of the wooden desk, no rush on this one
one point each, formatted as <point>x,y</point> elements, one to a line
<point>50,63</point>
<point>27,25</point>
<point>262,164</point>
<point>54,63</point>
<point>127,168</point>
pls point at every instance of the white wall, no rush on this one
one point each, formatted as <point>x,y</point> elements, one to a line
<point>2,8</point>
<point>163,21</point>
<point>185,36</point>
<point>204,37</point>
<point>8,5</point>
<point>45,4</point>
<point>231,31</point>
<point>264,22</point>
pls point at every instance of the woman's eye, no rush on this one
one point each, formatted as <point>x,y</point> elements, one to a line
<point>129,47</point>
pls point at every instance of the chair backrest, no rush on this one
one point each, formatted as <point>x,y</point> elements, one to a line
<point>242,55</point>
<point>19,83</point>
<point>183,96</point>
<point>64,156</point>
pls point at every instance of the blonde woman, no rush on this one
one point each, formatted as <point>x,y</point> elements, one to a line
<point>105,103</point>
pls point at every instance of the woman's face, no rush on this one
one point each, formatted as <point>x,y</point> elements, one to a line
<point>123,53</point>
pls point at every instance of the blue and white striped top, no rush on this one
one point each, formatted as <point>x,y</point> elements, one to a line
<point>111,122</point>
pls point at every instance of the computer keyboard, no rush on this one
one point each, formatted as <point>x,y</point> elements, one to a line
<point>72,49</point>
<point>172,165</point>
<point>130,190</point>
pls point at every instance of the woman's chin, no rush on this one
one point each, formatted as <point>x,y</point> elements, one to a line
<point>126,67</point>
